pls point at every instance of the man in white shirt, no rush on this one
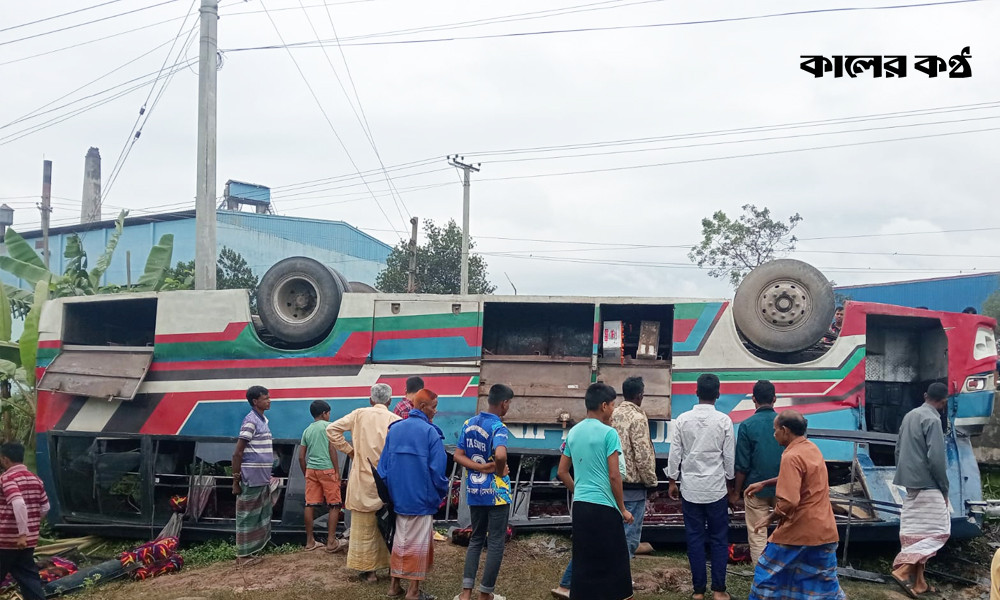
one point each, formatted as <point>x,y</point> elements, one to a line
<point>702,457</point>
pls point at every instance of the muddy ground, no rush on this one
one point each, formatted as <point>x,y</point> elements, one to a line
<point>532,566</point>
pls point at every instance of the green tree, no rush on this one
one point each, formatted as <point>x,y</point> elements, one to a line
<point>733,248</point>
<point>991,307</point>
<point>232,272</point>
<point>439,264</point>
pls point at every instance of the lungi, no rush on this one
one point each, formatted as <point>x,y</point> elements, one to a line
<point>367,551</point>
<point>253,520</point>
<point>601,569</point>
<point>412,548</point>
<point>797,573</point>
<point>924,526</point>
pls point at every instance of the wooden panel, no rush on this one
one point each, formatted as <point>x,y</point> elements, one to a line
<point>655,375</point>
<point>98,372</point>
<point>543,390</point>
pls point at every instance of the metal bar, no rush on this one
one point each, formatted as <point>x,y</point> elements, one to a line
<point>850,504</point>
<point>451,483</point>
<point>862,437</point>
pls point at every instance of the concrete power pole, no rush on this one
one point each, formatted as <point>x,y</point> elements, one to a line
<point>411,278</point>
<point>205,245</point>
<point>46,207</point>
<point>455,161</point>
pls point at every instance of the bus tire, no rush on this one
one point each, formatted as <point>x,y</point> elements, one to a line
<point>784,306</point>
<point>362,288</point>
<point>346,285</point>
<point>299,299</point>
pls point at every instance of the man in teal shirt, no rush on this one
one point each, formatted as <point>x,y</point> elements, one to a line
<point>318,459</point>
<point>600,553</point>
<point>758,456</point>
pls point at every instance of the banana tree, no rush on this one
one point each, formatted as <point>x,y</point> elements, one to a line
<point>24,263</point>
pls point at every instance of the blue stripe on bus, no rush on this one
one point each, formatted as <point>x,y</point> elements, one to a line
<point>708,313</point>
<point>421,348</point>
<point>288,418</point>
<point>973,404</point>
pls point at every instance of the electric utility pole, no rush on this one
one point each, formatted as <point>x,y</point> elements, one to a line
<point>46,207</point>
<point>411,277</point>
<point>456,161</point>
<point>205,249</point>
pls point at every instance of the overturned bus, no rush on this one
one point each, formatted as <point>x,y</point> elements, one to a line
<point>141,395</point>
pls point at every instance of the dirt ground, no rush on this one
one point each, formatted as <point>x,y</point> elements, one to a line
<point>532,566</point>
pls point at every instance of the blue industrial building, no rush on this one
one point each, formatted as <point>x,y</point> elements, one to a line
<point>261,238</point>
<point>953,294</point>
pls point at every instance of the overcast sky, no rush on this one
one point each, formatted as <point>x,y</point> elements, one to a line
<point>575,233</point>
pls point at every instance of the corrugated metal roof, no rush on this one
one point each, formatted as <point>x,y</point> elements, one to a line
<point>334,235</point>
<point>940,293</point>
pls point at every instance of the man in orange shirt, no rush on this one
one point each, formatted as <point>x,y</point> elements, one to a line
<point>800,560</point>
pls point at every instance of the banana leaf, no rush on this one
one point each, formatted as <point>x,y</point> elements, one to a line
<point>25,270</point>
<point>20,300</point>
<point>157,265</point>
<point>105,260</point>
<point>21,250</point>
<point>10,351</point>
<point>29,338</point>
<point>5,316</point>
<point>75,276</point>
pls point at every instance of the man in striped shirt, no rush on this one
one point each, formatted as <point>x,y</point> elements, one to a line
<point>24,503</point>
<point>252,464</point>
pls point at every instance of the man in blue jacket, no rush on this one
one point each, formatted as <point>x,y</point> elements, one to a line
<point>413,465</point>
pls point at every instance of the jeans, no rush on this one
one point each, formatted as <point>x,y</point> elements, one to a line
<point>714,517</point>
<point>633,531</point>
<point>489,526</point>
<point>567,577</point>
<point>21,566</point>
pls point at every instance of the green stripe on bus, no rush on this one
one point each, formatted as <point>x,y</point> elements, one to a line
<point>435,321</point>
<point>792,375</point>
<point>689,310</point>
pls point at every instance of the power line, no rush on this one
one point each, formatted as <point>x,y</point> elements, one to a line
<point>801,239</point>
<point>607,27</point>
<point>367,127</point>
<point>527,16</point>
<point>88,84</point>
<point>325,116</point>
<point>65,14</point>
<point>761,139</point>
<point>628,263</point>
<point>741,130</point>
<point>106,37</point>
<point>137,128</point>
<point>735,156</point>
<point>363,122</point>
<point>347,177</point>
<point>65,117</point>
<point>100,20</point>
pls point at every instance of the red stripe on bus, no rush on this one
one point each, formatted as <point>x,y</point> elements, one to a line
<point>683,329</point>
<point>230,333</point>
<point>50,344</point>
<point>746,387</point>
<point>51,407</point>
<point>355,350</point>
<point>174,408</point>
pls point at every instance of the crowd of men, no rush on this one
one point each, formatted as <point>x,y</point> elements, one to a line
<point>609,465</point>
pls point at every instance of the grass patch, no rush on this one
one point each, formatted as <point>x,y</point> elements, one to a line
<point>207,553</point>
